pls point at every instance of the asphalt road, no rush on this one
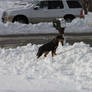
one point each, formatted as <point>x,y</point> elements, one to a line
<point>12,41</point>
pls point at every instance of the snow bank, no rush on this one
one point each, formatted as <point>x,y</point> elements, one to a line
<point>72,66</point>
<point>79,26</point>
<point>17,28</point>
<point>69,71</point>
<point>76,26</point>
<point>89,19</point>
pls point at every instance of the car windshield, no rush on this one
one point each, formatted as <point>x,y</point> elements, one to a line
<point>40,3</point>
<point>36,2</point>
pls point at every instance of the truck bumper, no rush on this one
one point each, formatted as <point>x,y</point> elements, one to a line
<point>6,19</point>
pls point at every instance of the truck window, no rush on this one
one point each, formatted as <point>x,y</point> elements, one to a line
<point>43,4</point>
<point>55,4</point>
<point>74,4</point>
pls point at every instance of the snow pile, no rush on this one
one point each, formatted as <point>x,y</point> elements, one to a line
<point>16,28</point>
<point>79,26</point>
<point>89,19</point>
<point>76,26</point>
<point>72,65</point>
<point>68,71</point>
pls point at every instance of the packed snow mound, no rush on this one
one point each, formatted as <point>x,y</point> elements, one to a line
<point>89,19</point>
<point>72,62</point>
<point>79,26</point>
<point>17,28</point>
<point>76,26</point>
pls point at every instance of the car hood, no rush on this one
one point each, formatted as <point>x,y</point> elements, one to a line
<point>19,8</point>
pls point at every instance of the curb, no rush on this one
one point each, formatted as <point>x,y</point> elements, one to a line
<point>46,34</point>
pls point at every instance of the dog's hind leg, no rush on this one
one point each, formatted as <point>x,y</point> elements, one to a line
<point>38,57</point>
<point>46,53</point>
<point>39,54</point>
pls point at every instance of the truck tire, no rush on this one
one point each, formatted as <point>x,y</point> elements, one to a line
<point>21,19</point>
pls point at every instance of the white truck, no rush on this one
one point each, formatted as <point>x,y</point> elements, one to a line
<point>44,11</point>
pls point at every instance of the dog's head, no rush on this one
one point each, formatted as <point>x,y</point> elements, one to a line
<point>60,38</point>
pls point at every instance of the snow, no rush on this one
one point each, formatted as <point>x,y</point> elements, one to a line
<point>76,26</point>
<point>21,71</point>
<point>68,71</point>
<point>17,28</point>
<point>80,25</point>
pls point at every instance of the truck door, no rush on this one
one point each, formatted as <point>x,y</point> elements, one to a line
<point>40,10</point>
<point>55,8</point>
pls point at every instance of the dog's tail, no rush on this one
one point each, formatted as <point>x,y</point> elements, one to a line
<point>39,53</point>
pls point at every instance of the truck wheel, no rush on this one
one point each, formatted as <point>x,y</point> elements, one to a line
<point>69,18</point>
<point>21,19</point>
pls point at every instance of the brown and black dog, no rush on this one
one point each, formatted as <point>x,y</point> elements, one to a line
<point>50,46</point>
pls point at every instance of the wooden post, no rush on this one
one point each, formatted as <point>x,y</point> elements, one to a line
<point>90,5</point>
<point>84,6</point>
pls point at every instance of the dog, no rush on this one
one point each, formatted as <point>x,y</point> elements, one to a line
<point>50,46</point>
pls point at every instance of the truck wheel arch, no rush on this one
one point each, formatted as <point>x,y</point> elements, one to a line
<point>69,16</point>
<point>17,17</point>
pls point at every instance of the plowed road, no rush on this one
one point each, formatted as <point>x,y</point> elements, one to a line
<point>9,41</point>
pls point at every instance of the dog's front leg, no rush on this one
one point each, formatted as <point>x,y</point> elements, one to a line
<point>62,42</point>
<point>53,52</point>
